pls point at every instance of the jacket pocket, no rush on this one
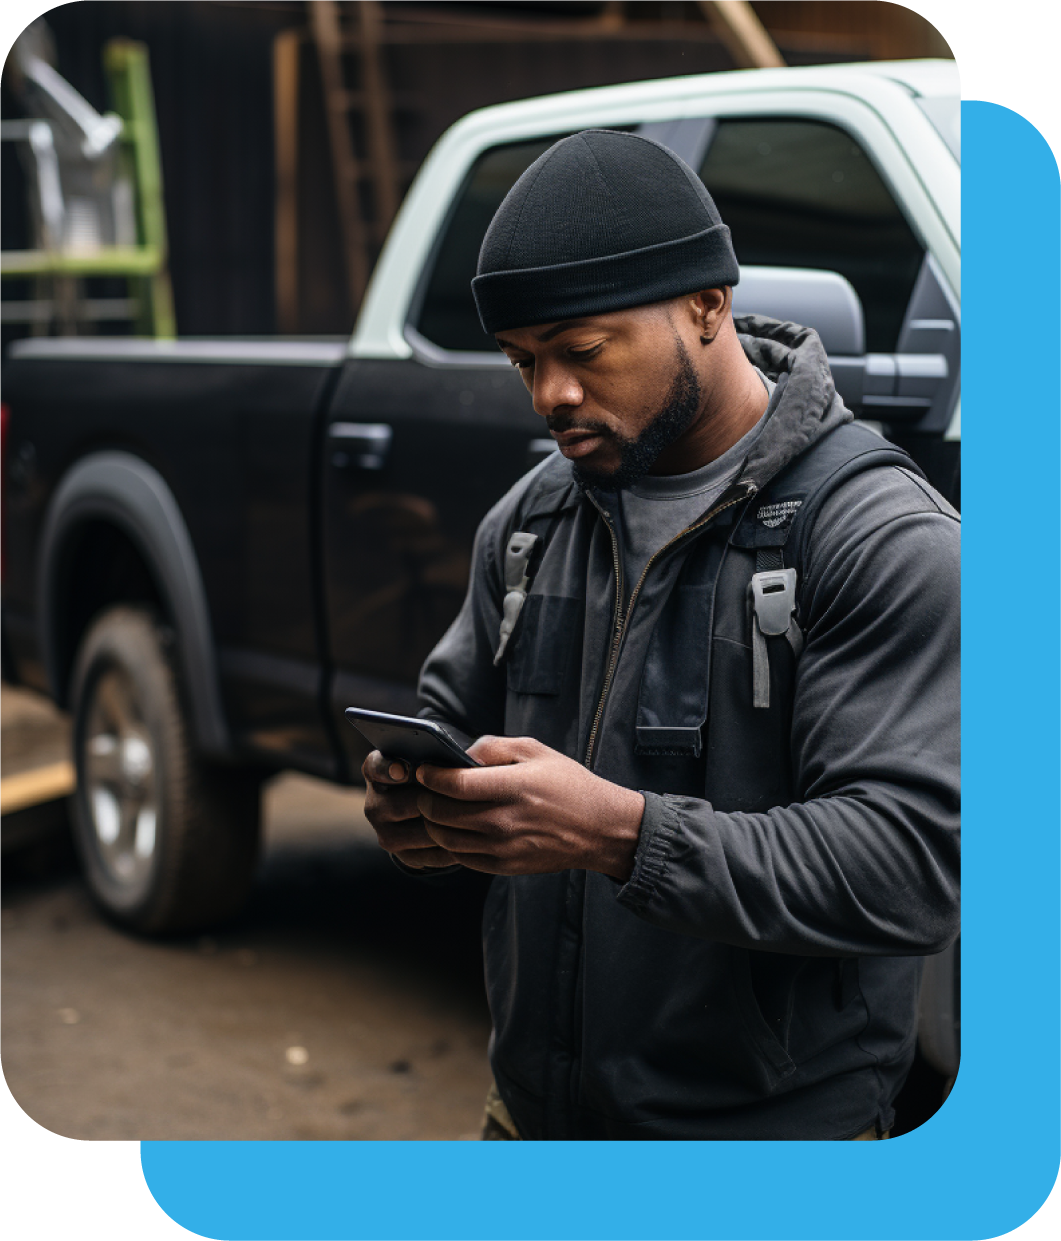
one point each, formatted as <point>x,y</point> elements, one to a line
<point>544,640</point>
<point>776,1060</point>
<point>672,699</point>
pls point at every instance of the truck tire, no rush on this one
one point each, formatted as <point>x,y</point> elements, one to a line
<point>168,842</point>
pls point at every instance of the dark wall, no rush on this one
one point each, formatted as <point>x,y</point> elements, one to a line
<point>211,66</point>
<point>212,71</point>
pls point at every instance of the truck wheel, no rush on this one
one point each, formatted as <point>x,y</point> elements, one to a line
<point>168,842</point>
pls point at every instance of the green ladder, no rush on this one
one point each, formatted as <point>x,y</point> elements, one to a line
<point>145,264</point>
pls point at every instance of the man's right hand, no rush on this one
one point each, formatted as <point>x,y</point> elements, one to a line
<point>390,806</point>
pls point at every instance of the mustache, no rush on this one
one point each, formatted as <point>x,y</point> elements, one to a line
<point>561,425</point>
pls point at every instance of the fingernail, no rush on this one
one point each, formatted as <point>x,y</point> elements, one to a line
<point>397,771</point>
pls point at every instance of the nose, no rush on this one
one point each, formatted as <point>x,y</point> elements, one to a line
<point>555,389</point>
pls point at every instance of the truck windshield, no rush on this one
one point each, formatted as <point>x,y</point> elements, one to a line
<point>945,113</point>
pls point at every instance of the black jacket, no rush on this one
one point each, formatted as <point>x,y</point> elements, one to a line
<point>757,976</point>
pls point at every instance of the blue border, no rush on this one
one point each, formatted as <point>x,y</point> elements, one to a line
<point>987,1160</point>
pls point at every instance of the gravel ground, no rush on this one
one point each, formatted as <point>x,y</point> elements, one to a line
<point>346,1003</point>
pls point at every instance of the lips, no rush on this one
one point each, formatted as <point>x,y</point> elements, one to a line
<point>577,443</point>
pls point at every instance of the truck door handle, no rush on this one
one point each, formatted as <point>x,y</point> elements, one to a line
<point>364,444</point>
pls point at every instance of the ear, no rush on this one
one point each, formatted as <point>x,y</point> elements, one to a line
<point>710,309</point>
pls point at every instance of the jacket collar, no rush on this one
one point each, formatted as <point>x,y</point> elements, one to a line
<point>809,406</point>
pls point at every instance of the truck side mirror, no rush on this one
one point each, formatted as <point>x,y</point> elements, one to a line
<point>822,300</point>
<point>916,386</point>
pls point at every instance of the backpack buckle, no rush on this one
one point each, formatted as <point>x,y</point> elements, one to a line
<point>774,600</point>
<point>517,579</point>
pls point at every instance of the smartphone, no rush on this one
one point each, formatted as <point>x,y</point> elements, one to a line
<point>415,741</point>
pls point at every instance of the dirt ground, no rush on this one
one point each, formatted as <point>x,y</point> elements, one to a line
<point>346,1002</point>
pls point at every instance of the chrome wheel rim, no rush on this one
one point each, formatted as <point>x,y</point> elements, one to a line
<point>119,780</point>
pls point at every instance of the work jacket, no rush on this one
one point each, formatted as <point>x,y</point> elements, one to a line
<point>757,976</point>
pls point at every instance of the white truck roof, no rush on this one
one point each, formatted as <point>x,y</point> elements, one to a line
<point>971,80</point>
<point>882,102</point>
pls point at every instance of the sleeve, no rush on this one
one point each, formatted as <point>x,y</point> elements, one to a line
<point>866,862</point>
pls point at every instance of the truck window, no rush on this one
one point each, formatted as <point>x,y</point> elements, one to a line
<point>802,193</point>
<point>448,317</point>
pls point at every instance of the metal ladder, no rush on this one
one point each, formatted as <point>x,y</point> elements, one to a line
<point>125,145</point>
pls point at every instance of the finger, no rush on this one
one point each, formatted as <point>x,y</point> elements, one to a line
<point>391,804</point>
<point>382,770</point>
<point>482,817</point>
<point>485,784</point>
<point>499,751</point>
<point>399,837</point>
<point>456,840</point>
<point>426,859</point>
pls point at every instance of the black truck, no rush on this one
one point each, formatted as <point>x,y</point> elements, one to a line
<point>212,547</point>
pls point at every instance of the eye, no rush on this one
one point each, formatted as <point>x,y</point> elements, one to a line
<point>522,364</point>
<point>583,355</point>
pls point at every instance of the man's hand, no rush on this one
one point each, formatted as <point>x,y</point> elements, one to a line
<point>390,806</point>
<point>530,811</point>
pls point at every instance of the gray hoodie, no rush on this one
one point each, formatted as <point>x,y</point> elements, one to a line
<point>757,976</point>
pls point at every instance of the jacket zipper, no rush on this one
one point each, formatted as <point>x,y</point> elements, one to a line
<point>622,619</point>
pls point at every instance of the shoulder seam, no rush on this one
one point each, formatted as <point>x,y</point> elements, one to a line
<point>919,483</point>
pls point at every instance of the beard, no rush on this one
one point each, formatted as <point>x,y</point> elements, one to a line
<point>674,417</point>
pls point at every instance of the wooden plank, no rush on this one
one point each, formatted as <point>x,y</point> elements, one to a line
<point>324,18</point>
<point>29,788</point>
<point>437,29</point>
<point>286,49</point>
<point>382,156</point>
<point>744,35</point>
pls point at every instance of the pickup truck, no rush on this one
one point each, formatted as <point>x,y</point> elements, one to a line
<point>213,546</point>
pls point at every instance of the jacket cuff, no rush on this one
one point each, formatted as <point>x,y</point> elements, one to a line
<point>425,872</point>
<point>660,825</point>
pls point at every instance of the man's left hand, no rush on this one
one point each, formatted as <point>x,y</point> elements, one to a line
<point>530,811</point>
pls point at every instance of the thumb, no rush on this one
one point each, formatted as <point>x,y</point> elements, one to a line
<point>382,770</point>
<point>499,751</point>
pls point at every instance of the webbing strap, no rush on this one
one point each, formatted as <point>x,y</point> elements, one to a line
<point>760,668</point>
<point>773,593</point>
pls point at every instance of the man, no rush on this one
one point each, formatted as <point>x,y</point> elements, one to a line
<point>713,648</point>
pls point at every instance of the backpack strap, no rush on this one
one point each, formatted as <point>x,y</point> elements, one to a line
<point>775,524</point>
<point>538,515</point>
<point>773,592</point>
<point>517,578</point>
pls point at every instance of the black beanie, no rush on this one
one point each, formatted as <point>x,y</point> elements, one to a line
<point>602,221</point>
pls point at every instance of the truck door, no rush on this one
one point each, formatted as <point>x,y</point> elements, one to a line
<point>416,451</point>
<point>800,191</point>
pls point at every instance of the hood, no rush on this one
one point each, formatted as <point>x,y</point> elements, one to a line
<point>808,406</point>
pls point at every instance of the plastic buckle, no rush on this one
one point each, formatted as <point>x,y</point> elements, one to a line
<point>774,600</point>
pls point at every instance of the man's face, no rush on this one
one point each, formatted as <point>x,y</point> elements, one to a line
<point>615,390</point>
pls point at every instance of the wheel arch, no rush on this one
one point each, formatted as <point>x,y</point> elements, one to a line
<point>120,490</point>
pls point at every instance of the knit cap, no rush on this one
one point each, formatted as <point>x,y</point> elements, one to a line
<point>601,221</point>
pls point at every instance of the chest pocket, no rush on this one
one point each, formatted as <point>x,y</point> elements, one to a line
<point>541,658</point>
<point>673,698</point>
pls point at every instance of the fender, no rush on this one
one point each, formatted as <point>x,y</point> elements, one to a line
<point>123,489</point>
